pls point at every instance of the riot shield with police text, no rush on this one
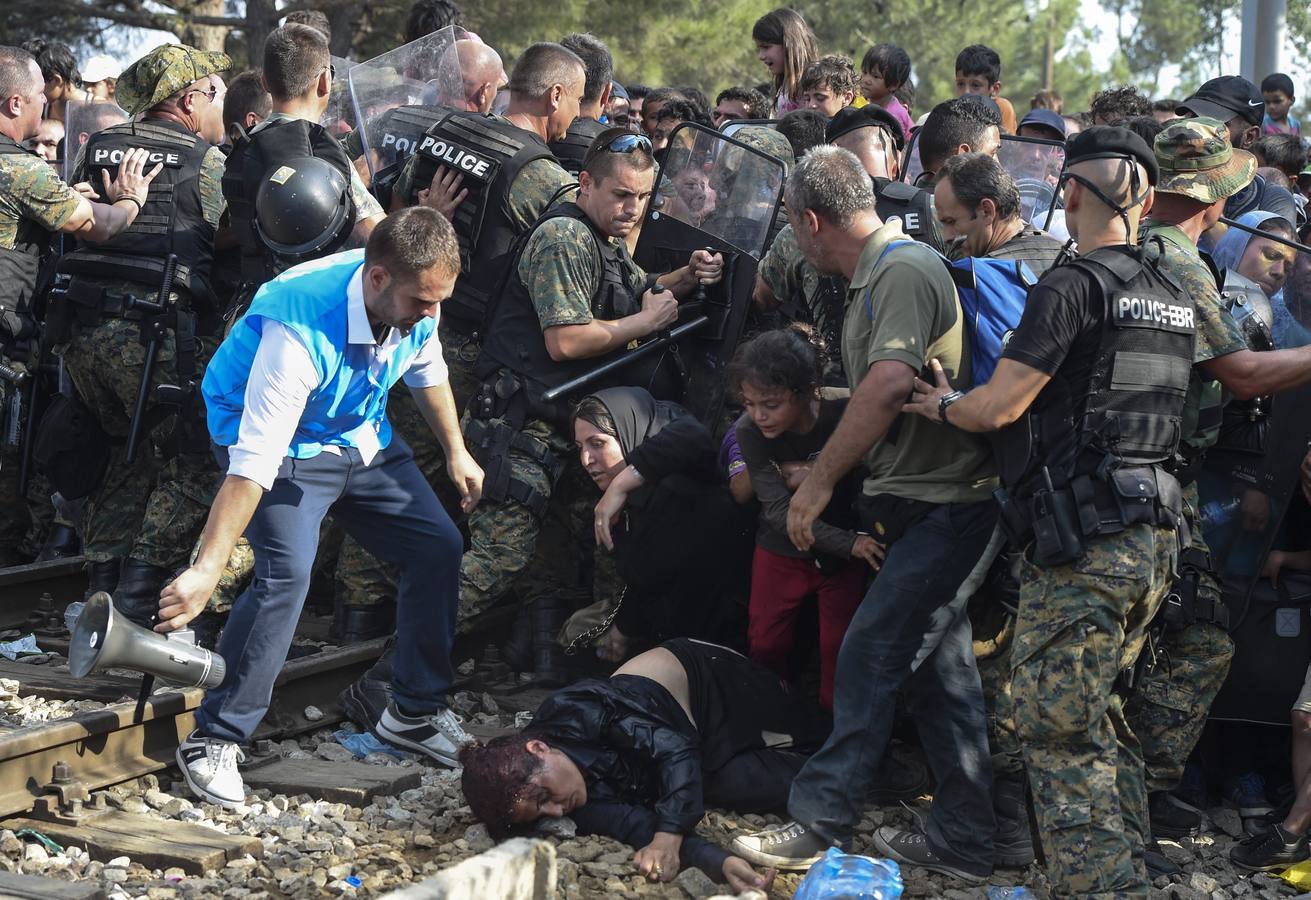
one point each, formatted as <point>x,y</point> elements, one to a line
<point>714,193</point>
<point>81,120</point>
<point>397,96</point>
<point>1250,484</point>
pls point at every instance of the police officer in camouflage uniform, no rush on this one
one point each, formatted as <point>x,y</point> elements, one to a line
<point>600,69</point>
<point>1199,172</point>
<point>575,299</point>
<point>35,203</point>
<point>142,521</point>
<point>545,88</point>
<point>1102,355</point>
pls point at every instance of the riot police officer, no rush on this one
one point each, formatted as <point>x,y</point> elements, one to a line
<point>1099,365</point>
<point>597,86</point>
<point>34,203</point>
<point>575,299</point>
<point>149,288</point>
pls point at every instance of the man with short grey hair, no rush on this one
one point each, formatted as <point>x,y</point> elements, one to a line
<point>927,498</point>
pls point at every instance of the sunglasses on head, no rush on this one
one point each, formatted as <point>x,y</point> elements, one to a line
<point>626,143</point>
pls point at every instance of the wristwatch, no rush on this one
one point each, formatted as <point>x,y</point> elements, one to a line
<point>946,400</point>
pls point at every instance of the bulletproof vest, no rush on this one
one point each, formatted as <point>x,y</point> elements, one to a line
<point>514,338</point>
<point>489,152</point>
<point>825,311</point>
<point>251,160</point>
<point>20,266</point>
<point>572,149</point>
<point>913,207</point>
<point>1131,411</point>
<point>1032,246</point>
<point>397,129</point>
<point>172,220</point>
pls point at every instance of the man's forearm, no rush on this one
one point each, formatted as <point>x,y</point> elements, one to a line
<point>437,404</point>
<point>107,220</point>
<point>1247,374</point>
<point>596,338</point>
<point>870,413</point>
<point>233,506</point>
<point>680,282</point>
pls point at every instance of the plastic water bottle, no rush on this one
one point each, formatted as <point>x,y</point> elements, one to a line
<point>1218,513</point>
<point>1009,893</point>
<point>850,877</point>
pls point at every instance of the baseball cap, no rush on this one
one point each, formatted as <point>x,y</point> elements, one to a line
<point>98,68</point>
<point>163,72</point>
<point>1224,98</point>
<point>1044,118</point>
<point>1197,161</point>
<point>871,115</point>
<point>1111,142</point>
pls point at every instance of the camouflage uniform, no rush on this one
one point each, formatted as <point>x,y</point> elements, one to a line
<point>561,270</point>
<point>153,510</point>
<point>361,580</point>
<point>1079,625</point>
<point>1169,706</point>
<point>32,196</point>
<point>787,273</point>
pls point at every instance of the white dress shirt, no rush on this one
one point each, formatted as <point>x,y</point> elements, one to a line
<point>282,377</point>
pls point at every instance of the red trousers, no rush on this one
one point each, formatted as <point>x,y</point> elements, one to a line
<point>779,584</point>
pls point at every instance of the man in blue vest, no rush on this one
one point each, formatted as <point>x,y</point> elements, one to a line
<point>296,400</point>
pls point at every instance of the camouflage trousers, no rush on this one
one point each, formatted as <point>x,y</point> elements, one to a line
<point>1079,625</point>
<point>510,547</point>
<point>154,509</point>
<point>1169,706</point>
<point>26,517</point>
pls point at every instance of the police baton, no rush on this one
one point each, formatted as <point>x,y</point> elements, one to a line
<point>589,378</point>
<point>154,330</point>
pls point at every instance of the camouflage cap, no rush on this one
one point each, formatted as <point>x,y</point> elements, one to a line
<point>766,140</point>
<point>163,72</point>
<point>1197,160</point>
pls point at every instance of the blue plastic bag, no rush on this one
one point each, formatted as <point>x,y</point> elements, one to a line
<point>850,877</point>
<point>1009,893</point>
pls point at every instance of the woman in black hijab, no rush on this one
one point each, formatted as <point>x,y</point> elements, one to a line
<point>681,545</point>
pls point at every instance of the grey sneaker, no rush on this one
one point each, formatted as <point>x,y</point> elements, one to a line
<point>913,848</point>
<point>438,735</point>
<point>791,847</point>
<point>209,767</point>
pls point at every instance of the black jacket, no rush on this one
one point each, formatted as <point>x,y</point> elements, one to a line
<point>640,757</point>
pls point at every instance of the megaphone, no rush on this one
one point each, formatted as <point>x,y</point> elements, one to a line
<point>103,638</point>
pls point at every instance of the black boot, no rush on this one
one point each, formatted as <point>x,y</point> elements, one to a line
<point>548,613</point>
<point>102,576</point>
<point>62,542</point>
<point>137,596</point>
<point>1014,840</point>
<point>355,624</point>
<point>517,651</point>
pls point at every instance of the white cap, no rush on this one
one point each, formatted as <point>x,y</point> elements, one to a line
<point>98,68</point>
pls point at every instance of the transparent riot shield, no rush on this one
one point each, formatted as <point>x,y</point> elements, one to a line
<point>1035,164</point>
<point>912,170</point>
<point>339,117</point>
<point>716,193</point>
<point>81,120</point>
<point>1251,478</point>
<point>397,96</point>
<point>733,126</point>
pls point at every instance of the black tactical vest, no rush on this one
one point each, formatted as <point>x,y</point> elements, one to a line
<point>1131,411</point>
<point>913,207</point>
<point>514,336</point>
<point>1038,249</point>
<point>20,267</point>
<point>252,158</point>
<point>572,149</point>
<point>172,220</point>
<point>489,152</point>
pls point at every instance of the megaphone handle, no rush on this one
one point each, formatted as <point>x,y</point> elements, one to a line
<point>143,694</point>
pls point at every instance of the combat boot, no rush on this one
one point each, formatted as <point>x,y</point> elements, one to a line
<point>356,624</point>
<point>517,651</point>
<point>62,543</point>
<point>102,576</point>
<point>137,596</point>
<point>548,613</point>
<point>1014,840</point>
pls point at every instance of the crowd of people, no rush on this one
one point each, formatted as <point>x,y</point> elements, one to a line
<point>759,426</point>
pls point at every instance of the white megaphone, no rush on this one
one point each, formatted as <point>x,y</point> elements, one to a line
<point>103,638</point>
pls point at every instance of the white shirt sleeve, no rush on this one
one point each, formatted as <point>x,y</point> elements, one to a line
<point>427,369</point>
<point>282,376</point>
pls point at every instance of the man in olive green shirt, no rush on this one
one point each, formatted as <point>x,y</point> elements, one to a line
<point>927,496</point>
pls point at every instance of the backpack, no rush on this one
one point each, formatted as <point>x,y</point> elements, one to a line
<point>992,295</point>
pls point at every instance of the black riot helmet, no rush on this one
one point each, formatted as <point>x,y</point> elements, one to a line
<point>304,208</point>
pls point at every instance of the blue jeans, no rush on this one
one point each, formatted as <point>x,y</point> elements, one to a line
<point>911,632</point>
<point>389,508</point>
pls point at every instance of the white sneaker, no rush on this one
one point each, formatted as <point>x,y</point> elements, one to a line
<point>438,735</point>
<point>209,766</point>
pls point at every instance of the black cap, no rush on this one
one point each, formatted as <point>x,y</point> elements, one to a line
<point>1224,98</point>
<point>1045,118</point>
<point>1111,142</point>
<point>871,115</point>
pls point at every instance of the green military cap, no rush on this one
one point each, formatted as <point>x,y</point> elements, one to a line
<point>163,72</point>
<point>766,140</point>
<point>1197,160</point>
